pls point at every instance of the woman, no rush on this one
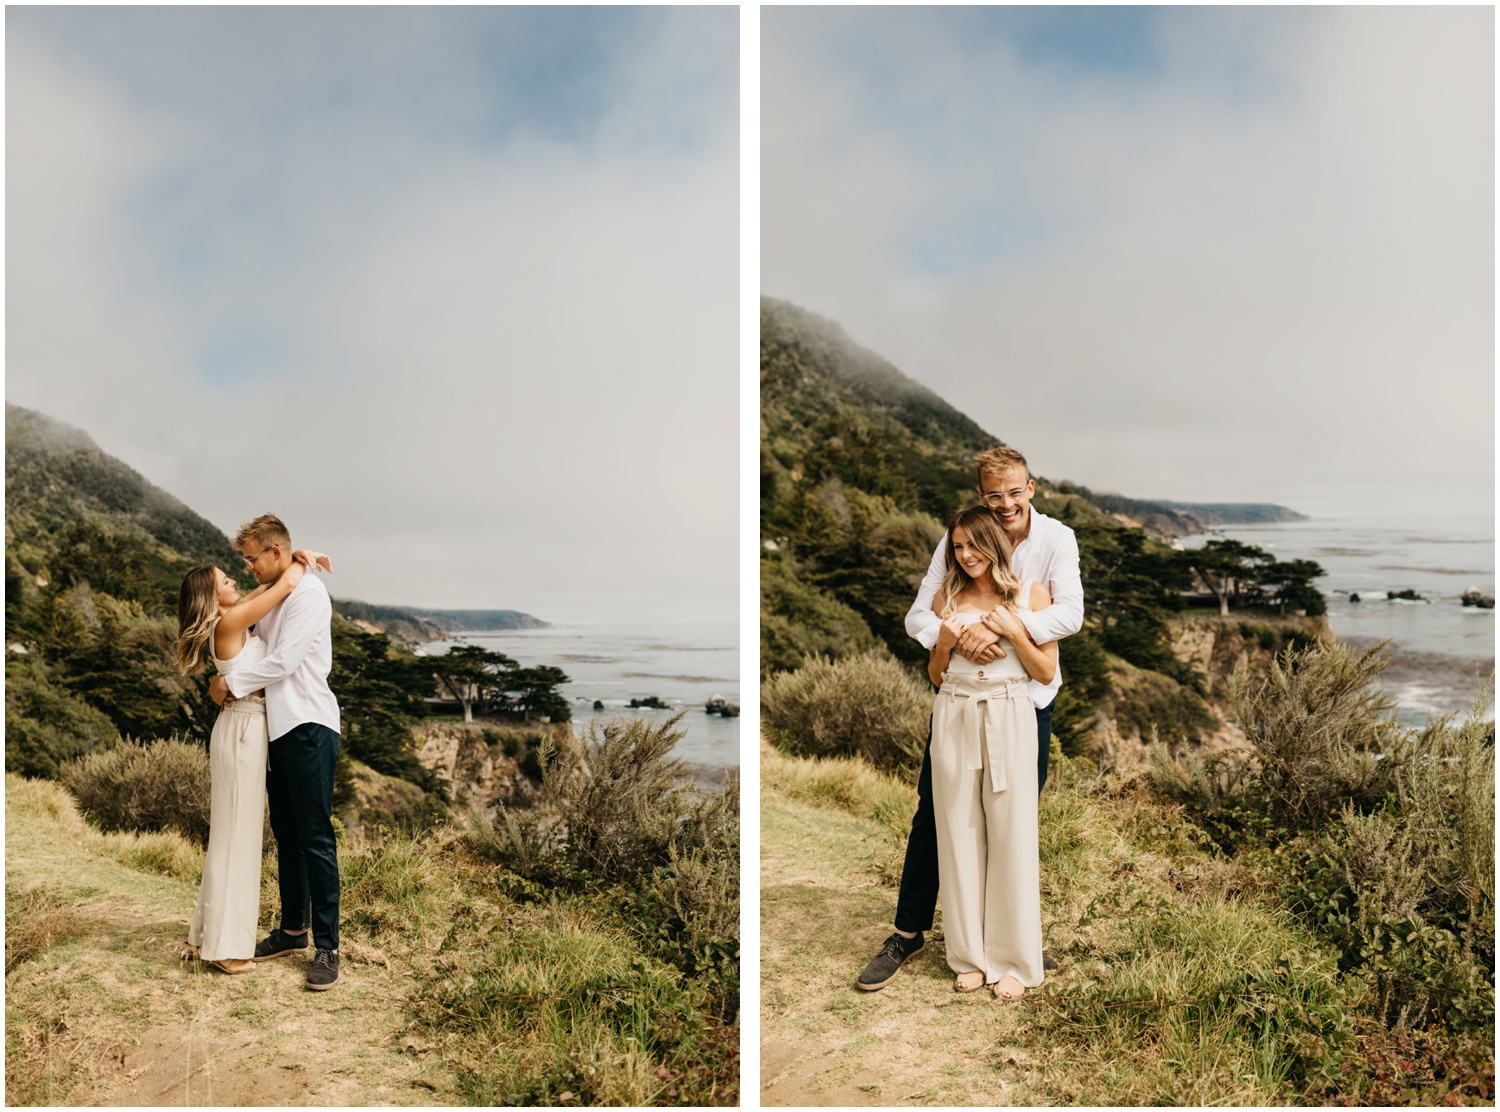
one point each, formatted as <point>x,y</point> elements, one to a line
<point>214,622</point>
<point>983,753</point>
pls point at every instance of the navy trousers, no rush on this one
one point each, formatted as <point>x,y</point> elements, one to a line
<point>299,792</point>
<point>917,903</point>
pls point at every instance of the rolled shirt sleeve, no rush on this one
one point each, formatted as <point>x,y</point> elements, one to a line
<point>921,622</point>
<point>304,615</point>
<point>1065,583</point>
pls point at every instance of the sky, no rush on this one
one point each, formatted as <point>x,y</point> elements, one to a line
<point>1199,254</point>
<point>453,291</point>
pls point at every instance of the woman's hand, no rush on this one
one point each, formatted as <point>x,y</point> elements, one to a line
<point>312,560</point>
<point>293,575</point>
<point>937,659</point>
<point>1005,622</point>
<point>949,632</point>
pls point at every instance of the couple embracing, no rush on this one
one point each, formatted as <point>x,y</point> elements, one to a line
<point>1002,589</point>
<point>276,742</point>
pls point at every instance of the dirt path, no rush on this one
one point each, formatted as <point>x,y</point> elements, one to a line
<point>824,1042</point>
<point>108,1015</point>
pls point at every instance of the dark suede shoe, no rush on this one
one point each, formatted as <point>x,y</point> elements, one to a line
<point>279,943</point>
<point>1048,963</point>
<point>324,970</point>
<point>884,966</point>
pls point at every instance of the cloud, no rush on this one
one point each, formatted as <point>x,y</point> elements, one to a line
<point>1243,264</point>
<point>452,290</point>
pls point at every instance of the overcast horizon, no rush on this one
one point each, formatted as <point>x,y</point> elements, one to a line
<point>1190,254</point>
<point>454,291</point>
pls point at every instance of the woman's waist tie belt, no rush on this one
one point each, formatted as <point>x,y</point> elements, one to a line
<point>980,703</point>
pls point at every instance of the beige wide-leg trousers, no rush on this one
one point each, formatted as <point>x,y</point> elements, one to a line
<point>228,908</point>
<point>984,796</point>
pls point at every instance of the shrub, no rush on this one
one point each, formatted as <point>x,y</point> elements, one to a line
<point>689,913</point>
<point>868,705</point>
<point>1406,893</point>
<point>135,786</point>
<point>662,857</point>
<point>1387,833</point>
<point>617,803</point>
<point>1321,731</point>
<point>1320,735</point>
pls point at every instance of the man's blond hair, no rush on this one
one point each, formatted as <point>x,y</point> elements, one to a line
<point>998,460</point>
<point>266,530</point>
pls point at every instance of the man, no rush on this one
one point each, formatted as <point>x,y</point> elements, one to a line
<point>302,718</point>
<point>1045,551</point>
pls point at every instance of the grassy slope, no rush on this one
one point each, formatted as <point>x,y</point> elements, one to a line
<point>106,1014</point>
<point>451,993</point>
<point>1159,945</point>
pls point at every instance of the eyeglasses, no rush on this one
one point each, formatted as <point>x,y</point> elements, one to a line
<point>250,560</point>
<point>999,498</point>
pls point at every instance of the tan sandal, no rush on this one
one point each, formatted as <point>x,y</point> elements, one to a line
<point>962,982</point>
<point>1009,988</point>
<point>233,965</point>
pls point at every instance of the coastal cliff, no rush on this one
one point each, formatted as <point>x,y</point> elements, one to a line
<point>1211,646</point>
<point>473,761</point>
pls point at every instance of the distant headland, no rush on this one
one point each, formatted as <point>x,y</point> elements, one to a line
<point>411,625</point>
<point>1177,519</point>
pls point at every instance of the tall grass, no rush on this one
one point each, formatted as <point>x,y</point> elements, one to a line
<point>36,920</point>
<point>849,784</point>
<point>560,1011</point>
<point>1233,1005</point>
<point>165,852</point>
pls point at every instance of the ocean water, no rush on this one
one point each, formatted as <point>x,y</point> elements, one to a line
<point>1441,652</point>
<point>681,663</point>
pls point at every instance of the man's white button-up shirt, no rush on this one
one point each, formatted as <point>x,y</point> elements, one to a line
<point>299,656</point>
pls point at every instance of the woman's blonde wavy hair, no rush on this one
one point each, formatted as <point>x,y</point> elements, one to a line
<point>197,611</point>
<point>986,535</point>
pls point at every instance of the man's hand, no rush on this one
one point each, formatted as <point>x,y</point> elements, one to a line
<point>989,655</point>
<point>218,691</point>
<point>980,644</point>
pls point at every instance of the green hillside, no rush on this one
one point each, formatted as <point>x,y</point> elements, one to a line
<point>73,512</point>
